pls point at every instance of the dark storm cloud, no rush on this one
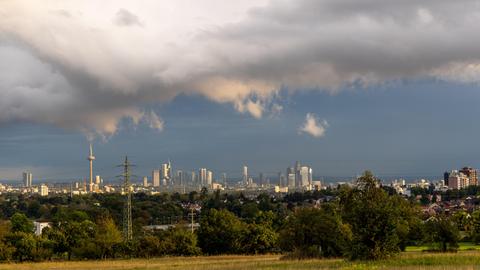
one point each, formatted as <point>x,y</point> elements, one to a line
<point>125,18</point>
<point>83,72</point>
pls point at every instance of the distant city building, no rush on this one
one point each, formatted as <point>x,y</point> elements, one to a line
<point>27,179</point>
<point>299,177</point>
<point>291,180</point>
<point>193,178</point>
<point>245,175</point>
<point>98,180</point>
<point>202,176</point>
<point>43,190</point>
<point>281,180</point>
<point>471,173</point>
<point>446,175</point>
<point>209,179</point>
<point>156,178</point>
<point>145,181</point>
<point>304,177</point>
<point>458,180</point>
<point>224,179</point>
<point>179,178</point>
<point>165,174</point>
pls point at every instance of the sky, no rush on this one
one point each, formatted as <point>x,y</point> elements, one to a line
<point>340,85</point>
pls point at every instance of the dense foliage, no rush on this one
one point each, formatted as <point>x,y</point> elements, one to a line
<point>361,222</point>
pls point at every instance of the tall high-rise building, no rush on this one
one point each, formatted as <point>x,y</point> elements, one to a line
<point>27,179</point>
<point>446,175</point>
<point>471,173</point>
<point>290,177</point>
<point>156,178</point>
<point>209,181</point>
<point>202,176</point>
<point>281,180</point>
<point>179,178</point>
<point>300,176</point>
<point>304,176</point>
<point>145,181</point>
<point>166,174</point>
<point>245,175</point>
<point>261,180</point>
<point>193,178</point>
<point>224,179</point>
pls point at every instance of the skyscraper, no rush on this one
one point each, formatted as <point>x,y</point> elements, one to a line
<point>202,176</point>
<point>27,179</point>
<point>209,179</point>
<point>156,178</point>
<point>224,179</point>
<point>245,175</point>
<point>305,178</point>
<point>166,173</point>
<point>179,178</point>
<point>193,178</point>
<point>281,180</point>
<point>145,181</point>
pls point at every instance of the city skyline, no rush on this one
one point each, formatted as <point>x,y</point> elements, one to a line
<point>339,86</point>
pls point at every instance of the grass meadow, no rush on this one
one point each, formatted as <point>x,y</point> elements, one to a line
<point>408,260</point>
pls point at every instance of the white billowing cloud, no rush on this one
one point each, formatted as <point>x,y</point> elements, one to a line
<point>154,121</point>
<point>86,66</point>
<point>313,126</point>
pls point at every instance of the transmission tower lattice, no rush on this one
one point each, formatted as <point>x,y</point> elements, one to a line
<point>127,208</point>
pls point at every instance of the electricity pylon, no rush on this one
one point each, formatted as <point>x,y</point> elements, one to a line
<point>127,207</point>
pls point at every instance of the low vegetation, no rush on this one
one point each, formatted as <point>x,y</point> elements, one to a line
<point>406,261</point>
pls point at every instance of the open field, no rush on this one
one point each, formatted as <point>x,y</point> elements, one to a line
<point>461,247</point>
<point>409,260</point>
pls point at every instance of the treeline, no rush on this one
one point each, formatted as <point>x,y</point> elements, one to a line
<point>365,222</point>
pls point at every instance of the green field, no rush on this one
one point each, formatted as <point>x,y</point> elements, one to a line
<point>462,247</point>
<point>407,260</point>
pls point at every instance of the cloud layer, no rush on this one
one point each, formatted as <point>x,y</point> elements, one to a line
<point>85,66</point>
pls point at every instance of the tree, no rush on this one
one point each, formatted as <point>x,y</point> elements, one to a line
<point>20,223</point>
<point>77,236</point>
<point>312,232</point>
<point>220,232</point>
<point>24,244</point>
<point>184,242</point>
<point>260,236</point>
<point>6,250</point>
<point>374,217</point>
<point>442,233</point>
<point>149,246</point>
<point>476,226</point>
<point>107,236</point>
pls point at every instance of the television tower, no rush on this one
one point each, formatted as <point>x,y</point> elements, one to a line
<point>91,158</point>
<point>127,208</point>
